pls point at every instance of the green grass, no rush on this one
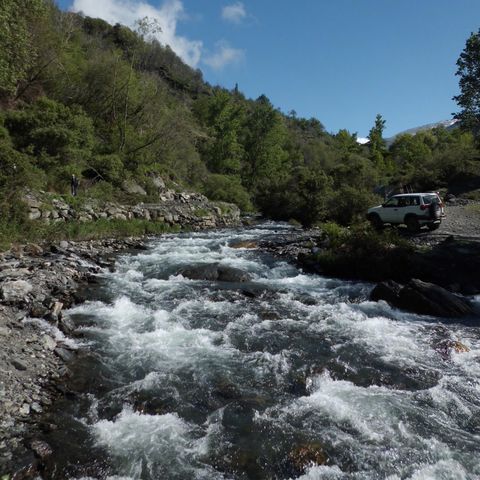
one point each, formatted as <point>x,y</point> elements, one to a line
<point>201,212</point>
<point>36,231</point>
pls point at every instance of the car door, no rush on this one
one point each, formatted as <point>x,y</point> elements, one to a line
<point>390,210</point>
<point>412,206</point>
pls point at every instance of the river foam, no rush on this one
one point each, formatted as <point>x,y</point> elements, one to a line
<point>210,380</point>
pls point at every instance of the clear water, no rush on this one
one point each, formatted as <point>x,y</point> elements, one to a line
<point>197,380</point>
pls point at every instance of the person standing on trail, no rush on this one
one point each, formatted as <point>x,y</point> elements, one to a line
<point>74,185</point>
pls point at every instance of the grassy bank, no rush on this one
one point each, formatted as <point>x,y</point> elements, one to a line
<point>29,231</point>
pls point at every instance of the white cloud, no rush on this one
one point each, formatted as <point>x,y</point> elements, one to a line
<point>224,55</point>
<point>235,13</point>
<point>167,15</point>
<point>362,140</point>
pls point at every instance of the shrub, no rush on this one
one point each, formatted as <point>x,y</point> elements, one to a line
<point>227,189</point>
<point>349,205</point>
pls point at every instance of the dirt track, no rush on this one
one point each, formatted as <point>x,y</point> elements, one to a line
<point>461,221</point>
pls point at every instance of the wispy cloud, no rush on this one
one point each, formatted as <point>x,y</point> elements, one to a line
<point>223,55</point>
<point>167,15</point>
<point>235,12</point>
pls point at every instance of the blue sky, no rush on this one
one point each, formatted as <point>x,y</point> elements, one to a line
<point>341,61</point>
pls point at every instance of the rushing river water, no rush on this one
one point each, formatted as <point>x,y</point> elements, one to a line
<point>205,380</point>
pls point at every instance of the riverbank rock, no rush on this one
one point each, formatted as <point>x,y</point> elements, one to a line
<point>36,283</point>
<point>215,272</point>
<point>422,298</point>
<point>15,291</point>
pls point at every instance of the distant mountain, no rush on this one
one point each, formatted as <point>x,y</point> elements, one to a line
<point>448,124</point>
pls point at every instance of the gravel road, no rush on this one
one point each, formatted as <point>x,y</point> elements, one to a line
<point>462,220</point>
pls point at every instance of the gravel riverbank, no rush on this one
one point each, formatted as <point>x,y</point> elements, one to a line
<point>36,283</point>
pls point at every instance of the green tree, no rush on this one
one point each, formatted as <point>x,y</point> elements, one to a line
<point>60,139</point>
<point>469,72</point>
<point>224,117</point>
<point>17,49</point>
<point>266,137</point>
<point>377,144</point>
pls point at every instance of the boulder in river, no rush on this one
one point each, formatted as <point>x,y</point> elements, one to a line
<point>422,298</point>
<point>215,272</point>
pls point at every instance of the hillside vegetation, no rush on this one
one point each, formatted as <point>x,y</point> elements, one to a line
<point>108,103</point>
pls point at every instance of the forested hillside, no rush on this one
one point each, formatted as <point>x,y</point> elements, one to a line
<point>107,103</point>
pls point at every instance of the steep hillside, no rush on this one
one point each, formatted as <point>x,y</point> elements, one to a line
<point>119,110</point>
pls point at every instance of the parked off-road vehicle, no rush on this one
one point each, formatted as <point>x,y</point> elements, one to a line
<point>412,209</point>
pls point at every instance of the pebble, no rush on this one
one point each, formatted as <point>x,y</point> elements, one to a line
<point>36,407</point>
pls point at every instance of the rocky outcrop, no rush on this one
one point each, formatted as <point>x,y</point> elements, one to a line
<point>422,298</point>
<point>188,210</point>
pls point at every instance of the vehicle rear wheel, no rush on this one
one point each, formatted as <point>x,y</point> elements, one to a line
<point>375,221</point>
<point>412,224</point>
<point>433,226</point>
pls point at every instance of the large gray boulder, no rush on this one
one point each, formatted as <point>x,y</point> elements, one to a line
<point>423,298</point>
<point>215,272</point>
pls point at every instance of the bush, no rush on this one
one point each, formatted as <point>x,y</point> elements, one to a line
<point>349,205</point>
<point>108,167</point>
<point>227,189</point>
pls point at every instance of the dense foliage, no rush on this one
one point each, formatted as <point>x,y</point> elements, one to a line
<point>109,104</point>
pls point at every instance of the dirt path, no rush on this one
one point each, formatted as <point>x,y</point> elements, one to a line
<point>461,221</point>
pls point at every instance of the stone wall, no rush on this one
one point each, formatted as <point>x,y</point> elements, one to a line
<point>189,210</point>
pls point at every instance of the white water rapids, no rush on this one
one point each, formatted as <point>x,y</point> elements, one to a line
<point>201,380</point>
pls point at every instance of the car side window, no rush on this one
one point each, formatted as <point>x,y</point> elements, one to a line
<point>402,202</point>
<point>393,202</point>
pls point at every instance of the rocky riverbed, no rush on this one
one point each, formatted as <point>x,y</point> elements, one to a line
<point>36,283</point>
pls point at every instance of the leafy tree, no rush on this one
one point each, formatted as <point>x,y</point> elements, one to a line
<point>224,118</point>
<point>347,142</point>
<point>469,72</point>
<point>52,132</point>
<point>266,158</point>
<point>228,189</point>
<point>17,51</point>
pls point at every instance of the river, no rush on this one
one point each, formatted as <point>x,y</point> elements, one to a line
<point>288,376</point>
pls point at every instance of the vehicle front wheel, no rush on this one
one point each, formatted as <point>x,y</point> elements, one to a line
<point>433,226</point>
<point>412,224</point>
<point>375,221</point>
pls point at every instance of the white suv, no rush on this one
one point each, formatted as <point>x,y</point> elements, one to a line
<point>412,209</point>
